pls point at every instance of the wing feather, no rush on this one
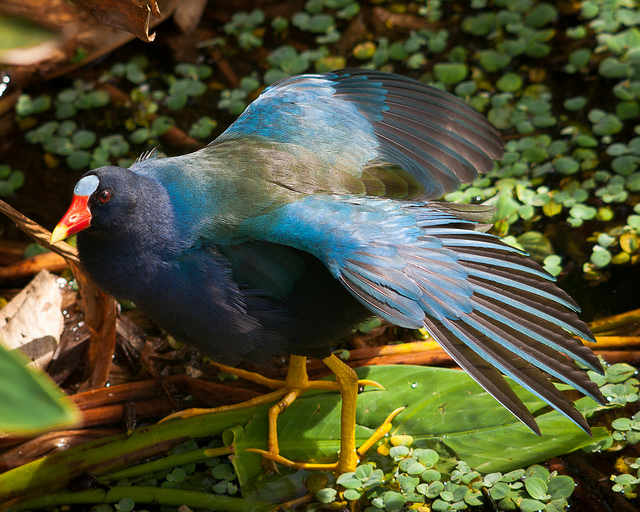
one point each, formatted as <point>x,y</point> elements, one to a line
<point>354,120</point>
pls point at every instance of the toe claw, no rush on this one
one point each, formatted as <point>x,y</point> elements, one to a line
<point>380,432</point>
<point>373,383</point>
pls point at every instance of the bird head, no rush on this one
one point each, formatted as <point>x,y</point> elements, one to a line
<point>112,202</point>
<point>93,194</point>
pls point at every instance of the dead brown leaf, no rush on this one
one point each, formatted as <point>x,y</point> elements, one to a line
<point>129,15</point>
<point>32,322</point>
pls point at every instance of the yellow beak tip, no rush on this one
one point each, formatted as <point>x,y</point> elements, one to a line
<point>58,234</point>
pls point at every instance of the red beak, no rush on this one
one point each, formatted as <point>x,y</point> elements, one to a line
<point>77,218</point>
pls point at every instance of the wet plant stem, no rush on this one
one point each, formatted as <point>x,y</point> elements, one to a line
<point>171,461</point>
<point>150,495</point>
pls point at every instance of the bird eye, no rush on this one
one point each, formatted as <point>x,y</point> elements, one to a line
<point>105,196</point>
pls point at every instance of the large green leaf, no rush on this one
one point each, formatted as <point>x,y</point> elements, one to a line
<point>443,407</point>
<point>29,400</point>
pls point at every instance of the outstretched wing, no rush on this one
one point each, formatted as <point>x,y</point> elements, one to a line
<point>400,137</point>
<point>431,265</point>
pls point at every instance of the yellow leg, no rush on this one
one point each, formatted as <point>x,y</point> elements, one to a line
<point>347,380</point>
<point>347,384</point>
<point>296,378</point>
<point>254,402</point>
<point>287,391</point>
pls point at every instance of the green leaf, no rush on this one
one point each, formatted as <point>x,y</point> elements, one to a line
<point>528,505</point>
<point>67,128</point>
<point>566,165</point>
<point>125,505</point>
<point>140,135</point>
<point>473,498</point>
<point>536,487</point>
<point>434,489</point>
<point>583,212</point>
<point>611,67</point>
<point>540,15</point>
<point>625,165</point>
<point>98,98</point>
<point>600,257</point>
<point>320,23</point>
<point>399,452</point>
<point>415,469</point>
<point>446,495</point>
<point>607,125</point>
<point>427,457</point>
<point>632,437</point>
<point>513,476</point>
<point>67,95</point>
<point>79,160</point>
<point>376,478</point>
<point>83,139</point>
<point>442,406</point>
<point>576,103</point>
<point>406,463</point>
<point>350,481</point>
<point>65,110</point>
<point>430,475</point>
<point>480,25</point>
<point>499,491</point>
<point>450,73</point>
<point>510,82</point>
<point>460,492</point>
<point>60,146</point>
<point>506,205</point>
<point>493,61</point>
<point>393,500</point>
<point>352,494</point>
<point>29,399</point>
<point>16,180</point>
<point>628,110</point>
<point>560,487</point>
<point>580,58</point>
<point>553,264</point>
<point>363,472</point>
<point>177,101</point>
<point>439,505</point>
<point>619,373</point>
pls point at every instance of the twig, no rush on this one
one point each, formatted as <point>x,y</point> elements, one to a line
<point>613,324</point>
<point>225,68</point>
<point>32,265</point>
<point>418,353</point>
<point>606,342</point>
<point>100,316</point>
<point>631,357</point>
<point>143,390</point>
<point>117,413</point>
<point>38,233</point>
